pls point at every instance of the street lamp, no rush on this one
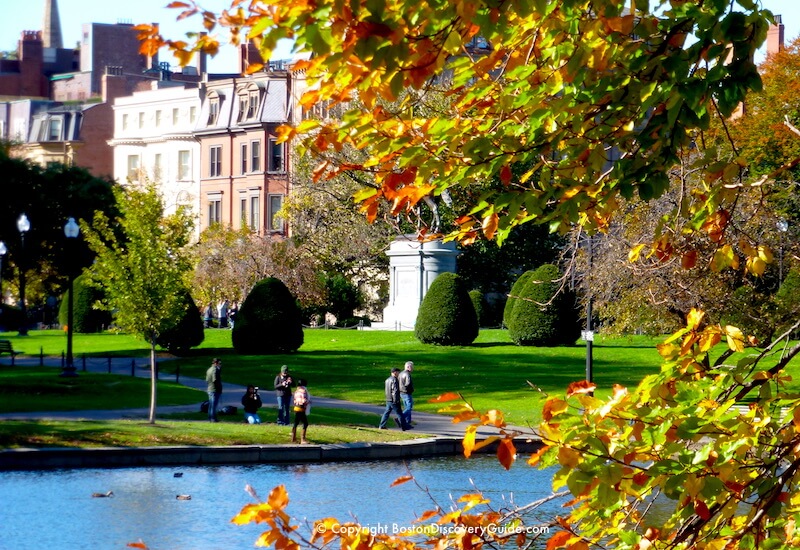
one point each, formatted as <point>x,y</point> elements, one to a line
<point>3,251</point>
<point>23,226</point>
<point>71,230</point>
<point>783,227</point>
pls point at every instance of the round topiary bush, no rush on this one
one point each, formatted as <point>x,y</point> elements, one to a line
<point>515,291</point>
<point>543,316</point>
<point>187,333</point>
<point>446,315</point>
<point>85,318</point>
<point>269,321</point>
<point>479,304</point>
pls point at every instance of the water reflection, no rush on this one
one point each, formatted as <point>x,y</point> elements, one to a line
<point>55,509</point>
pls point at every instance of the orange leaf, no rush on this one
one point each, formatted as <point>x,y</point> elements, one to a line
<point>559,540</point>
<point>702,510</point>
<point>506,453</point>
<point>535,457</point>
<point>466,415</point>
<point>553,407</point>
<point>582,386</point>
<point>428,514</point>
<point>139,544</point>
<point>450,396</point>
<point>400,480</point>
<point>689,259</point>
<point>489,225</point>
<point>505,174</point>
<point>278,497</point>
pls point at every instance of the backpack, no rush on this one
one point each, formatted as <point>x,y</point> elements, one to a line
<point>300,397</point>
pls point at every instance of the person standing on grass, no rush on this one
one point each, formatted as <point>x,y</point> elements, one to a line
<point>214,381</point>
<point>406,389</point>
<point>302,405</point>
<point>283,393</point>
<point>392,393</point>
<point>251,402</point>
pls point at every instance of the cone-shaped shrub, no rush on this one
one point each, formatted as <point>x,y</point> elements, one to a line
<point>269,321</point>
<point>479,304</point>
<point>515,291</point>
<point>446,315</point>
<point>85,319</point>
<point>187,333</point>
<point>532,323</point>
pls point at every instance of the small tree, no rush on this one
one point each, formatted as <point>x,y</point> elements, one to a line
<point>86,318</point>
<point>544,314</point>
<point>269,321</point>
<point>516,290</point>
<point>446,315</point>
<point>142,272</point>
<point>188,332</point>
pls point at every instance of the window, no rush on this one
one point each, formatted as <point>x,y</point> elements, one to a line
<point>133,167</point>
<point>255,156</point>
<point>192,114</point>
<point>276,156</point>
<point>175,116</point>
<point>252,105</point>
<point>254,212</point>
<point>214,209</point>
<point>242,108</point>
<point>158,118</point>
<point>275,204</point>
<point>215,158</point>
<point>243,210</point>
<point>157,167</point>
<point>54,129</point>
<point>243,158</point>
<point>213,110</point>
<point>141,120</point>
<point>184,168</point>
<point>125,122</point>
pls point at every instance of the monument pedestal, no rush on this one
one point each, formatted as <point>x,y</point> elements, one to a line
<point>413,266</point>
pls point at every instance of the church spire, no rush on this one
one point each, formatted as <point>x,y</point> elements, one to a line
<point>51,27</point>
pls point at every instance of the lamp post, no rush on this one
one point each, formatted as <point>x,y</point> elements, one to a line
<point>3,251</point>
<point>783,227</point>
<point>23,226</point>
<point>71,230</point>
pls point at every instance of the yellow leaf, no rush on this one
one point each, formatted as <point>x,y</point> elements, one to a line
<point>469,440</point>
<point>694,318</point>
<point>735,338</point>
<point>568,457</point>
<point>635,252</point>
<point>765,254</point>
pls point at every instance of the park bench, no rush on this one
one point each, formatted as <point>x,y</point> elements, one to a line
<point>6,347</point>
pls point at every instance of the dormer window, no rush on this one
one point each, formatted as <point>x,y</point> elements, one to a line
<point>213,110</point>
<point>249,97</point>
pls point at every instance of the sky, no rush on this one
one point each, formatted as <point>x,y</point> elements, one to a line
<point>20,15</point>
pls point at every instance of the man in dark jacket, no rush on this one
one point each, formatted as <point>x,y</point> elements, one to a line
<point>251,402</point>
<point>214,383</point>
<point>283,393</point>
<point>392,393</point>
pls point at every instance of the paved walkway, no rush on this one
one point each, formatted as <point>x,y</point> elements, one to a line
<point>426,423</point>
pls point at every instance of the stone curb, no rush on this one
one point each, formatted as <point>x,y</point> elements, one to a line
<point>116,457</point>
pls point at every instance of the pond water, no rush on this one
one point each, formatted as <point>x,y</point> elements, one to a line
<point>55,508</point>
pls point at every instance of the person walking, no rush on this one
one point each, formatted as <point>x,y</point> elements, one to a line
<point>406,385</point>
<point>392,394</point>
<point>301,406</point>
<point>214,381</point>
<point>251,402</point>
<point>283,393</point>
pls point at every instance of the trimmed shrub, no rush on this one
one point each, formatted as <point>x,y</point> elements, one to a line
<point>554,324</point>
<point>446,315</point>
<point>476,296</point>
<point>85,318</point>
<point>516,290</point>
<point>187,333</point>
<point>269,321</point>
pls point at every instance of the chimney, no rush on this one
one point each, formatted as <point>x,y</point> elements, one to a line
<point>51,26</point>
<point>775,37</point>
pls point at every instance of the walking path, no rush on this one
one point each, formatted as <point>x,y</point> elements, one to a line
<point>426,423</point>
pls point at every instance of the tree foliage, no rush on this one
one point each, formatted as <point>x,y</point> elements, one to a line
<point>142,274</point>
<point>269,321</point>
<point>446,315</point>
<point>188,332</point>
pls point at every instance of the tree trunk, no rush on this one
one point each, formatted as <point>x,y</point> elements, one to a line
<point>153,380</point>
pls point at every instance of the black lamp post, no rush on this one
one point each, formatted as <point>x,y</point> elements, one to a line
<point>71,230</point>
<point>23,226</point>
<point>3,251</point>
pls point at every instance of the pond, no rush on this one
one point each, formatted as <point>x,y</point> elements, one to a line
<point>55,508</point>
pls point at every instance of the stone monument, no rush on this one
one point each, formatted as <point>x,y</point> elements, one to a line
<point>413,266</point>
